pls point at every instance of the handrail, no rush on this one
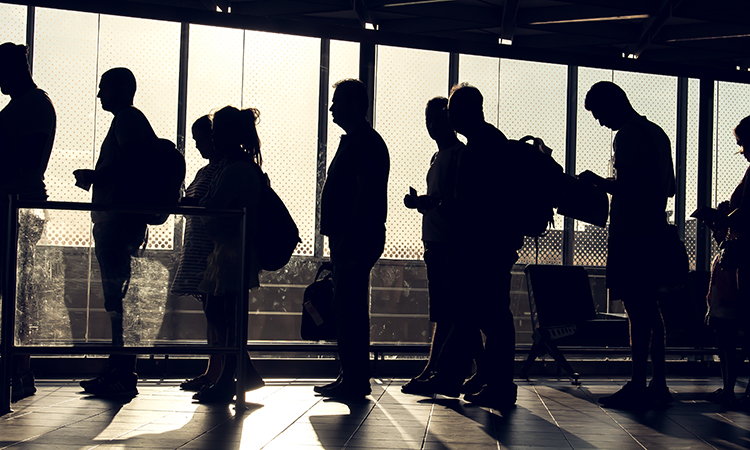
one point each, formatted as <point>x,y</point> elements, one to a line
<point>7,325</point>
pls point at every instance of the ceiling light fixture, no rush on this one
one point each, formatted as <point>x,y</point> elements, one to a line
<point>593,19</point>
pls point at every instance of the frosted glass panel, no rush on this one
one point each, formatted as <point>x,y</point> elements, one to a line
<point>406,80</point>
<point>691,172</point>
<point>729,167</point>
<point>151,50</point>
<point>214,80</point>
<point>594,153</point>
<point>483,73</point>
<point>65,51</point>
<point>281,78</point>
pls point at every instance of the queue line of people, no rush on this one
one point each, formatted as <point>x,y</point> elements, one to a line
<point>461,232</point>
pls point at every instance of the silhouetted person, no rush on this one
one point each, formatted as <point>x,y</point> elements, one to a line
<point>437,231</point>
<point>354,206</point>
<point>197,245</point>
<point>482,256</point>
<point>728,308</point>
<point>643,181</point>
<point>236,185</point>
<point>27,132</point>
<point>117,236</point>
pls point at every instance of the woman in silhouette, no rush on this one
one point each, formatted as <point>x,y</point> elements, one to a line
<point>236,185</point>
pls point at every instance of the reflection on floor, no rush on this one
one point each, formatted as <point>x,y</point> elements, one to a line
<point>551,414</point>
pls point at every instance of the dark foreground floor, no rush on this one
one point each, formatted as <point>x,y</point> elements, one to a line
<point>551,414</point>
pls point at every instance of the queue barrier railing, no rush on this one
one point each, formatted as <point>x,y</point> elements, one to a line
<point>9,301</point>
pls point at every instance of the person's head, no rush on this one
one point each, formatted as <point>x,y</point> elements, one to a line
<point>234,132</point>
<point>14,66</point>
<point>350,103</point>
<point>465,108</point>
<point>436,118</point>
<point>116,89</point>
<point>202,136</point>
<point>609,105</point>
<point>742,135</point>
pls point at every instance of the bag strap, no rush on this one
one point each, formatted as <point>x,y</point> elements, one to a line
<point>323,266</point>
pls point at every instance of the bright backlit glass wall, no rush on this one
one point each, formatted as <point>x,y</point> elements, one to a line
<point>281,76</point>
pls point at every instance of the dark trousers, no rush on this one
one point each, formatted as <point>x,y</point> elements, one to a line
<point>116,241</point>
<point>351,302</point>
<point>484,286</point>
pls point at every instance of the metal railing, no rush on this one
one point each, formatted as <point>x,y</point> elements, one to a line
<point>8,325</point>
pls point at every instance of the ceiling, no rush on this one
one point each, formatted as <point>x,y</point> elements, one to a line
<point>694,38</point>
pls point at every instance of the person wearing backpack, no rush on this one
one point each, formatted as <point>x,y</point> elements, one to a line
<point>644,180</point>
<point>117,236</point>
<point>437,235</point>
<point>237,184</point>
<point>353,210</point>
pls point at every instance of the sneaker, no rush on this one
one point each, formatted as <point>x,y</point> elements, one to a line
<point>321,389</point>
<point>195,384</point>
<point>659,394</point>
<point>629,397</point>
<point>721,397</point>
<point>22,386</point>
<point>115,384</point>
<point>214,393</point>
<point>494,397</point>
<point>253,381</point>
<point>346,390</point>
<point>431,386</point>
<point>473,385</point>
<point>86,384</point>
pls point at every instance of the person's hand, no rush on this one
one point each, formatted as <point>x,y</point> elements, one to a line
<point>410,201</point>
<point>84,178</point>
<point>590,177</point>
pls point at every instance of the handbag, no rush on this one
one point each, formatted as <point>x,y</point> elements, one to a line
<point>318,316</point>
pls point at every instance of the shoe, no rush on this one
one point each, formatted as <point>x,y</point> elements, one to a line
<point>345,390</point>
<point>22,387</point>
<point>659,394</point>
<point>115,384</point>
<point>721,397</point>
<point>495,397</point>
<point>629,397</point>
<point>431,386</point>
<point>253,381</point>
<point>195,384</point>
<point>86,384</point>
<point>473,385</point>
<point>214,393</point>
<point>321,389</point>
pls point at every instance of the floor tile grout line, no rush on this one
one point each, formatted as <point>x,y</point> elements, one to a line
<point>557,424</point>
<point>429,422</point>
<point>293,421</point>
<point>607,413</point>
<point>359,426</point>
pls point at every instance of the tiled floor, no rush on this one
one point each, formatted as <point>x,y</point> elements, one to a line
<point>551,414</point>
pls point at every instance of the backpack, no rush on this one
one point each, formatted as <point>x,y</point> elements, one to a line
<point>152,176</point>
<point>539,180</point>
<point>278,234</point>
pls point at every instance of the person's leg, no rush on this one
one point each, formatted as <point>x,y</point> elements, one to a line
<point>496,322</point>
<point>639,318</point>
<point>658,343</point>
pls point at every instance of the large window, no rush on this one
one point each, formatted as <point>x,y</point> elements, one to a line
<point>281,76</point>
<point>406,80</point>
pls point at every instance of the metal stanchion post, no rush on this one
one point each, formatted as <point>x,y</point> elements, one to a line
<point>9,307</point>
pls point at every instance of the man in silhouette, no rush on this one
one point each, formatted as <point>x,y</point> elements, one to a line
<point>27,132</point>
<point>643,181</point>
<point>354,206</point>
<point>117,236</point>
<point>482,256</point>
<point>437,231</point>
